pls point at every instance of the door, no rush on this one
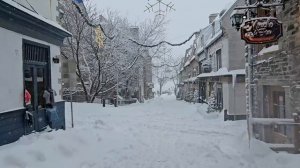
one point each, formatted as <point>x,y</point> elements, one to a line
<point>220,96</point>
<point>35,83</point>
<point>279,109</point>
<point>36,63</point>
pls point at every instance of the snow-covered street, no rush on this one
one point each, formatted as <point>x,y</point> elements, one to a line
<point>161,133</point>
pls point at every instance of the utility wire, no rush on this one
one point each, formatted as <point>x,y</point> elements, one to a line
<point>89,23</point>
<point>134,41</point>
<point>171,66</point>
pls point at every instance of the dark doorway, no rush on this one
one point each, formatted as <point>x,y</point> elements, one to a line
<point>219,96</point>
<point>36,64</point>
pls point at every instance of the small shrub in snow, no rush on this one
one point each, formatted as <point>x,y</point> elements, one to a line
<point>212,103</point>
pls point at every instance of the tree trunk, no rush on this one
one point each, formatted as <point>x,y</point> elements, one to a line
<point>160,89</point>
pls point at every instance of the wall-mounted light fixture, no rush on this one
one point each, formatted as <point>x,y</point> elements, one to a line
<point>55,59</point>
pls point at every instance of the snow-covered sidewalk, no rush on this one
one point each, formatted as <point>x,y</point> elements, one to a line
<point>161,133</point>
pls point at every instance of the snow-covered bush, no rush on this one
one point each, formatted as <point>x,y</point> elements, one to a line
<point>212,103</point>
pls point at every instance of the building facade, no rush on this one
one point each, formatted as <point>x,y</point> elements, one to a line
<point>222,65</point>
<point>188,75</point>
<point>275,93</point>
<point>30,50</point>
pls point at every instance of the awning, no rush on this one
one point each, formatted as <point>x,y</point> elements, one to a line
<point>222,72</point>
<point>193,79</point>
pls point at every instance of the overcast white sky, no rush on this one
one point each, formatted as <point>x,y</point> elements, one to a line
<point>190,15</point>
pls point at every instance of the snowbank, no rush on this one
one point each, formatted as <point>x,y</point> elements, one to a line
<point>159,133</point>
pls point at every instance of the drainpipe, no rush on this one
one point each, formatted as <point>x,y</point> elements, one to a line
<point>51,10</point>
<point>250,85</point>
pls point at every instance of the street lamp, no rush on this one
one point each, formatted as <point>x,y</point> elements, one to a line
<point>241,13</point>
<point>237,18</point>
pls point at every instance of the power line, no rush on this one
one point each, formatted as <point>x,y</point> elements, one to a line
<point>134,41</point>
<point>166,42</point>
<point>89,23</point>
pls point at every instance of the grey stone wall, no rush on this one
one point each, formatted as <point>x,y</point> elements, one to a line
<point>280,68</point>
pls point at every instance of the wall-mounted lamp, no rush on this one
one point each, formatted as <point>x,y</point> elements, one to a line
<point>237,18</point>
<point>55,59</point>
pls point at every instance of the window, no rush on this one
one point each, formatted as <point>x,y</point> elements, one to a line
<point>275,106</point>
<point>219,59</point>
<point>66,75</point>
<point>65,65</point>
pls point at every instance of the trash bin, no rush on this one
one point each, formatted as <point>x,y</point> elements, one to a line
<point>55,122</point>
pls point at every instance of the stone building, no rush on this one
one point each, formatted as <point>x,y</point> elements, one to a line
<point>276,84</point>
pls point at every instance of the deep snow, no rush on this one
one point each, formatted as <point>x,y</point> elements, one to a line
<point>161,133</point>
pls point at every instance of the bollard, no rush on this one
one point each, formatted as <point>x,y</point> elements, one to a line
<point>225,115</point>
<point>115,102</point>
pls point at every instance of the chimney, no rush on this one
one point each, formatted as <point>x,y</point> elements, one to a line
<point>212,17</point>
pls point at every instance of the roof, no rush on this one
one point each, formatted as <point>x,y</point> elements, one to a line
<point>188,62</point>
<point>207,32</point>
<point>35,15</point>
<point>223,72</point>
<point>208,37</point>
<point>193,79</point>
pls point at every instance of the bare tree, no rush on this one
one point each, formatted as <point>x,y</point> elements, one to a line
<point>119,62</point>
<point>163,75</point>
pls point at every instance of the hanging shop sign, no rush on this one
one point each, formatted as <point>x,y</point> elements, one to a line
<point>261,30</point>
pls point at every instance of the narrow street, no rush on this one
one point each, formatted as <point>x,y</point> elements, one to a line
<point>162,133</point>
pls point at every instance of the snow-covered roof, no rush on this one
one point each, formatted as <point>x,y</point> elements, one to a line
<point>207,32</point>
<point>265,50</point>
<point>208,37</point>
<point>189,61</point>
<point>223,72</point>
<point>193,79</point>
<point>33,14</point>
<point>228,8</point>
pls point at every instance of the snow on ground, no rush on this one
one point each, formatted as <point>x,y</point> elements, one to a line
<point>161,133</point>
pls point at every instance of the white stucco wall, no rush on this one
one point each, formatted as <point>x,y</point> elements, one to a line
<point>226,95</point>
<point>237,99</point>
<point>225,53</point>
<point>11,69</point>
<point>46,8</point>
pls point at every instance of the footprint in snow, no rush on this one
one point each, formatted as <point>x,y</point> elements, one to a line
<point>99,139</point>
<point>38,156</point>
<point>14,162</point>
<point>98,124</point>
<point>66,151</point>
<point>87,165</point>
<point>49,137</point>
